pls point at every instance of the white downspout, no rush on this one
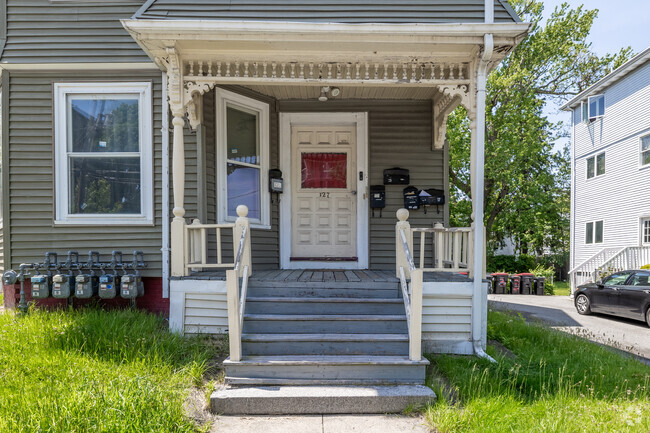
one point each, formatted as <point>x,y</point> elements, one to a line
<point>165,187</point>
<point>479,304</point>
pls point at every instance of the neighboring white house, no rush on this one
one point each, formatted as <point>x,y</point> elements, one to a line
<point>610,164</point>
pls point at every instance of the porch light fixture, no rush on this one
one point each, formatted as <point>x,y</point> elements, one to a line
<point>332,91</point>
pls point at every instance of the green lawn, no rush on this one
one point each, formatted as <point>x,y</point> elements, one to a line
<point>561,288</point>
<point>548,382</point>
<point>92,371</point>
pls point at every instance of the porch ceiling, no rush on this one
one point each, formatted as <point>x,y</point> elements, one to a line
<point>350,92</point>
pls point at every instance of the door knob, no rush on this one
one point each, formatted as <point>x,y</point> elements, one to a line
<point>353,192</point>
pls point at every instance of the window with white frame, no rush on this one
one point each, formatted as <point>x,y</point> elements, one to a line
<point>596,106</point>
<point>242,157</point>
<point>645,150</point>
<point>645,231</point>
<point>584,112</point>
<point>594,232</point>
<point>596,165</point>
<point>103,153</point>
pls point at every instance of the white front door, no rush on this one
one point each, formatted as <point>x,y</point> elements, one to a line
<point>324,196</point>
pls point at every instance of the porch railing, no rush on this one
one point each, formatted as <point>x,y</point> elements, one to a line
<point>446,249</point>
<point>412,293</point>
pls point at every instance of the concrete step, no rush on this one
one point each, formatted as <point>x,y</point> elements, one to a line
<point>317,305</point>
<point>299,400</point>
<point>327,290</point>
<point>325,323</point>
<point>325,344</point>
<point>319,369</point>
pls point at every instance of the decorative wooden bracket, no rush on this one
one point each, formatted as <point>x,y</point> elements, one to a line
<point>184,95</point>
<point>194,107</point>
<point>450,98</point>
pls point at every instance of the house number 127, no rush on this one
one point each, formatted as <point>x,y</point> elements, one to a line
<point>324,195</point>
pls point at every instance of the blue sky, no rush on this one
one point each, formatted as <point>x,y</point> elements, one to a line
<point>620,23</point>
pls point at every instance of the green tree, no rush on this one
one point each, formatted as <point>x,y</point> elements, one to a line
<point>527,183</point>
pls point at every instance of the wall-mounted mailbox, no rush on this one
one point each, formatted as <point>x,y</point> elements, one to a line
<point>432,197</point>
<point>396,176</point>
<point>377,198</point>
<point>411,198</point>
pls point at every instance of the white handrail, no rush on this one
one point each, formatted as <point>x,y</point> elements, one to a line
<point>412,298</point>
<point>242,297</point>
<point>405,295</point>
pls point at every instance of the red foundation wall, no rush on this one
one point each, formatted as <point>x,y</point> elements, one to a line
<point>152,300</point>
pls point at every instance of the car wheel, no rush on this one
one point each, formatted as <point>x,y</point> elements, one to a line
<point>647,316</point>
<point>582,304</point>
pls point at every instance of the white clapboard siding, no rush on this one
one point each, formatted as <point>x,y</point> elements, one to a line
<point>198,307</point>
<point>447,317</point>
<point>619,197</point>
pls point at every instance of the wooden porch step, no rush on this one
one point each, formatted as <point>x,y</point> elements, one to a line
<point>325,323</point>
<point>325,344</point>
<point>320,305</point>
<point>323,369</point>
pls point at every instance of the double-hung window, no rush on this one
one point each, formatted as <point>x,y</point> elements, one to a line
<point>645,151</point>
<point>596,165</point>
<point>596,107</point>
<point>242,157</point>
<point>594,232</point>
<point>103,153</point>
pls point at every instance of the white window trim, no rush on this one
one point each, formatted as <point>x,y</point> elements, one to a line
<point>61,91</point>
<point>641,164</point>
<point>584,112</point>
<point>642,221</point>
<point>223,98</point>
<point>593,232</point>
<point>595,158</point>
<point>589,116</point>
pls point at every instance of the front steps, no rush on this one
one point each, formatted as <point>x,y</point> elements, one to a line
<point>323,348</point>
<point>303,400</point>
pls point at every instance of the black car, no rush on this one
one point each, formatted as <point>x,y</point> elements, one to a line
<point>625,294</point>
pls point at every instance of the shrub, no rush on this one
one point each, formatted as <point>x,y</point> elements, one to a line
<point>546,272</point>
<point>646,266</point>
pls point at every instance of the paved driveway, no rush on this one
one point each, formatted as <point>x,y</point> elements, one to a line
<point>558,311</point>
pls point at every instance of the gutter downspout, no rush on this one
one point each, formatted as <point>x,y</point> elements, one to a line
<point>165,188</point>
<point>479,304</point>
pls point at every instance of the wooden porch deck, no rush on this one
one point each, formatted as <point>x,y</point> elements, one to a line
<point>326,276</point>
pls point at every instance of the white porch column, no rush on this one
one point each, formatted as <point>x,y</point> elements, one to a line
<point>479,304</point>
<point>178,181</point>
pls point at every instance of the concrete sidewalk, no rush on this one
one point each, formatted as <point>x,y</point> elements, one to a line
<point>320,424</point>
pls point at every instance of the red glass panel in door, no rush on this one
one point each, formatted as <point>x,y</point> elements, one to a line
<point>324,170</point>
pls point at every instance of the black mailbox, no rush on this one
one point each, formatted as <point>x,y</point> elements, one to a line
<point>396,176</point>
<point>377,198</point>
<point>411,198</point>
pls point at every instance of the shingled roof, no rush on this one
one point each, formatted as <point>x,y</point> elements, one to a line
<point>334,11</point>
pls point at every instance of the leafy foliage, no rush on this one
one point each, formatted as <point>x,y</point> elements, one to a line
<point>527,183</point>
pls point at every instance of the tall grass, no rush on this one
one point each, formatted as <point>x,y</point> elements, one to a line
<point>92,370</point>
<point>549,382</point>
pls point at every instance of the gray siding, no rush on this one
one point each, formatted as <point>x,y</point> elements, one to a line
<point>40,31</point>
<point>2,249</point>
<point>341,11</point>
<point>30,168</point>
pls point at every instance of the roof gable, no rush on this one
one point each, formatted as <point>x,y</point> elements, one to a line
<point>335,11</point>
